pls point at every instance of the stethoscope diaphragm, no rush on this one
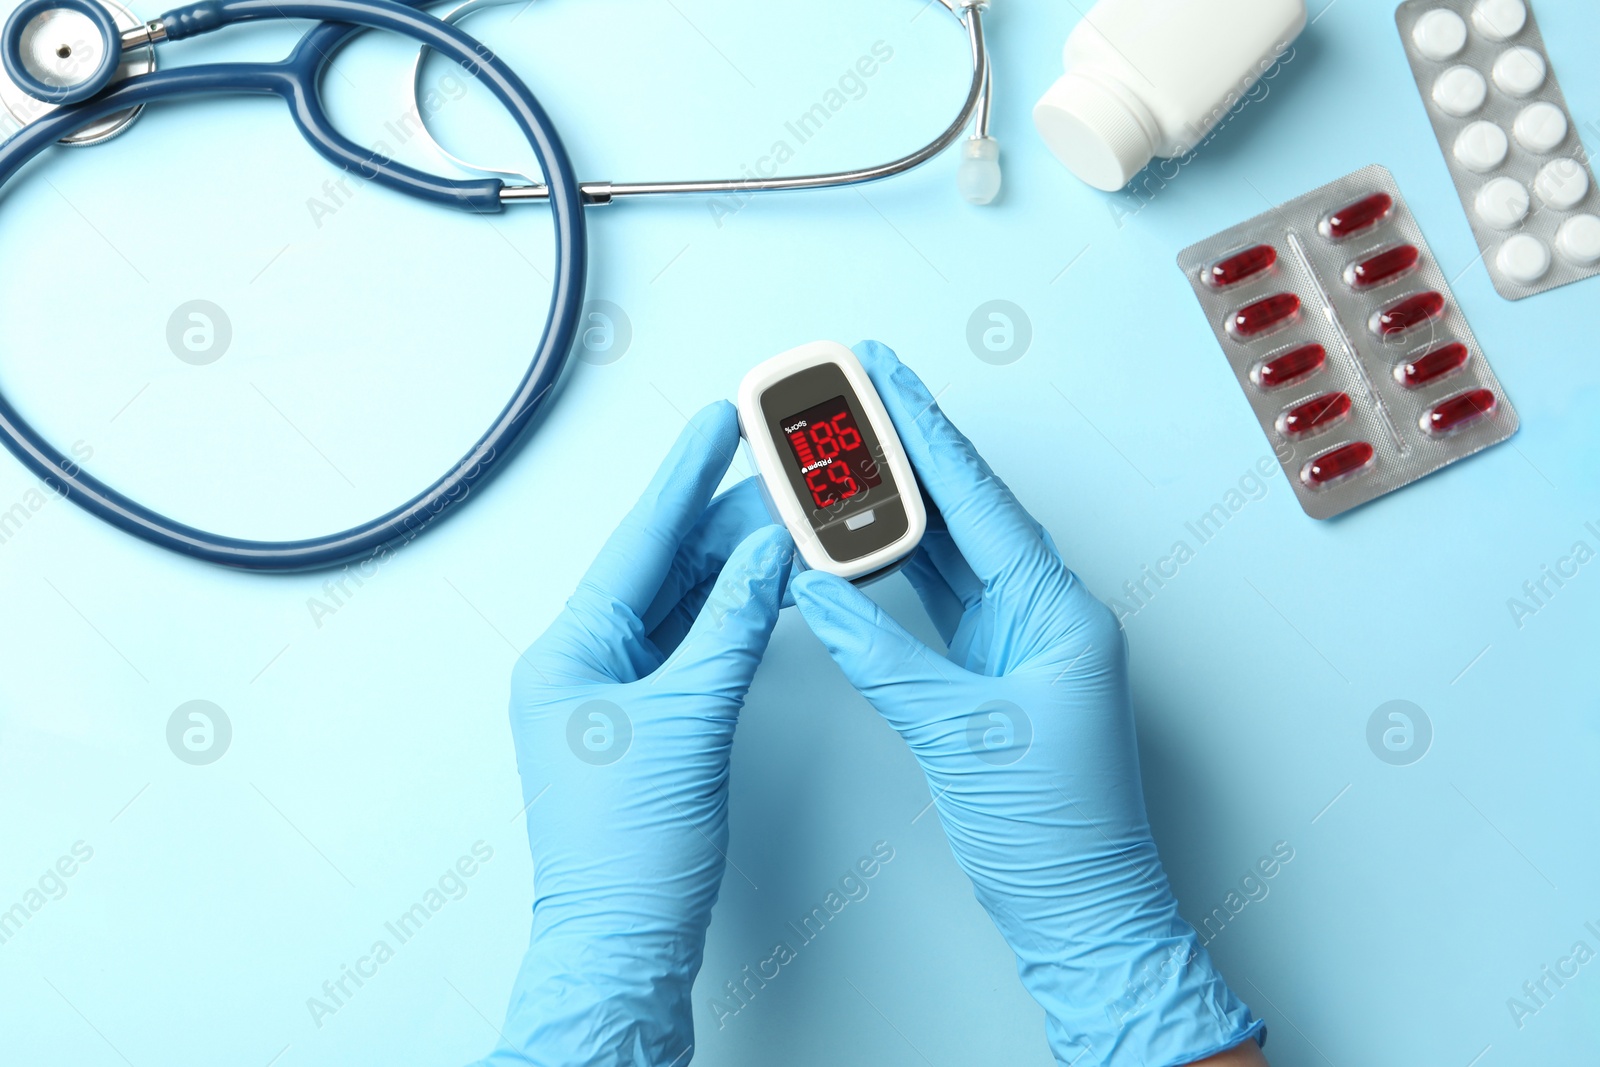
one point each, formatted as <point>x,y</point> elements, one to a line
<point>44,38</point>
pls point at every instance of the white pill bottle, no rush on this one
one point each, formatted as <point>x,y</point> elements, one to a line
<point>1149,78</point>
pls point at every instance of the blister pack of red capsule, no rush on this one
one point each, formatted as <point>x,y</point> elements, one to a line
<point>1508,138</point>
<point>1348,342</point>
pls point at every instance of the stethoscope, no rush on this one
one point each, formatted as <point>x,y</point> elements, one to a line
<point>89,76</point>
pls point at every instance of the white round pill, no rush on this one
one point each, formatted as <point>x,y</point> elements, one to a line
<point>1482,146</point>
<point>1499,20</point>
<point>1578,240</point>
<point>1524,259</point>
<point>1439,34</point>
<point>1519,71</point>
<point>1460,91</point>
<point>1562,184</point>
<point>1503,203</point>
<point>1541,127</point>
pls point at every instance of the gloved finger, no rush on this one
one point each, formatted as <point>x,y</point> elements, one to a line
<point>727,521</point>
<point>602,642</point>
<point>636,558</point>
<point>672,629</point>
<point>995,533</point>
<point>952,565</point>
<point>889,666</point>
<point>944,608</point>
<point>719,655</point>
<point>676,625</point>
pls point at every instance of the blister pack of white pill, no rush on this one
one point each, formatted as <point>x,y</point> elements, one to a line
<point>1508,137</point>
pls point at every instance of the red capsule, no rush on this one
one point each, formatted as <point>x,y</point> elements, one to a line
<point>1241,266</point>
<point>1361,215</point>
<point>1315,415</point>
<point>1264,316</point>
<point>1293,366</point>
<point>1407,314</point>
<point>1458,411</point>
<point>1346,461</point>
<point>1384,267</point>
<point>1431,366</point>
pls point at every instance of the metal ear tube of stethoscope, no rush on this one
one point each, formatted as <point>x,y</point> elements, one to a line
<point>978,175</point>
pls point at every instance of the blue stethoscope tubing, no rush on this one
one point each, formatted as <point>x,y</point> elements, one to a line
<point>295,79</point>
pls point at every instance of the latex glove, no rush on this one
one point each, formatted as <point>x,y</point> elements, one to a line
<point>1026,736</point>
<point>623,715</point>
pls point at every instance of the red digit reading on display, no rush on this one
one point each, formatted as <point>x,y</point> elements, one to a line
<point>827,444</point>
<point>832,453</point>
<point>839,474</point>
<point>849,436</point>
<point>821,491</point>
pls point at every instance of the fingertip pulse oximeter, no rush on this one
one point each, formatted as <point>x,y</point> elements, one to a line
<point>832,467</point>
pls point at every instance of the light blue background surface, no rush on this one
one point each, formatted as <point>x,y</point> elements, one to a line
<point>371,751</point>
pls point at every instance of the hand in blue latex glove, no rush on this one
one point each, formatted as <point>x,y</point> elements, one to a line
<point>1027,740</point>
<point>623,715</point>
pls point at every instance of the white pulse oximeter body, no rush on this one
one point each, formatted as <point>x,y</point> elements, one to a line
<point>831,464</point>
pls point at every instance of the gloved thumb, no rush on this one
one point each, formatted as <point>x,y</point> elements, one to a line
<point>896,672</point>
<point>719,655</point>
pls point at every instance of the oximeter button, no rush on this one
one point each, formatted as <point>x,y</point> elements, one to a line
<point>1346,461</point>
<point>1430,367</point>
<point>1459,411</point>
<point>1241,266</point>
<point>1386,266</point>
<point>1264,316</point>
<point>861,520</point>
<point>1291,367</point>
<point>1314,416</point>
<point>1361,215</point>
<point>1407,314</point>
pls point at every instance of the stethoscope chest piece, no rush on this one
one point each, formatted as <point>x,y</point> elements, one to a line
<point>61,50</point>
<point>42,46</point>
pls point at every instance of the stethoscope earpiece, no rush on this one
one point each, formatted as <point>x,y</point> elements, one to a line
<point>61,51</point>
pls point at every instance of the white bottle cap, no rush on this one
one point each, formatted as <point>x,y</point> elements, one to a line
<point>1093,131</point>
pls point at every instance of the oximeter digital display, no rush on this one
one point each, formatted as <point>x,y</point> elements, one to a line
<point>831,464</point>
<point>834,459</point>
